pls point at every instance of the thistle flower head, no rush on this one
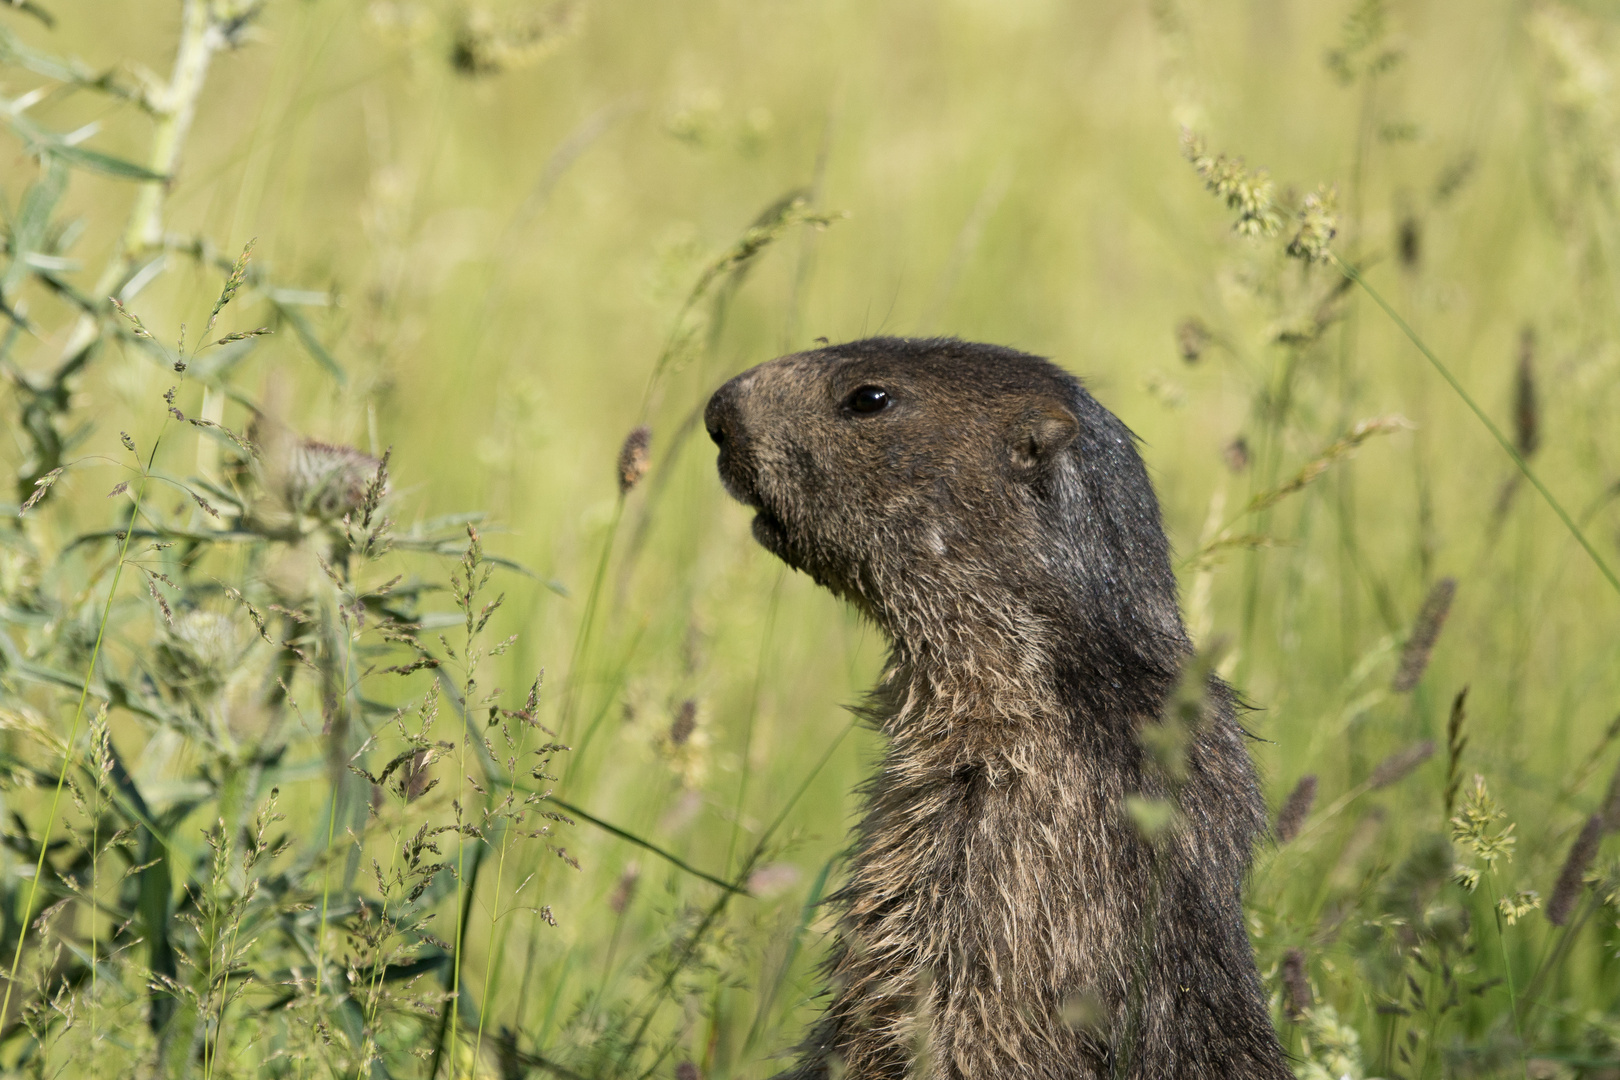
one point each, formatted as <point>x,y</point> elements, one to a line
<point>327,481</point>
<point>201,650</point>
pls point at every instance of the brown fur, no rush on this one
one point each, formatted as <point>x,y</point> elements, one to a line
<point>1003,916</point>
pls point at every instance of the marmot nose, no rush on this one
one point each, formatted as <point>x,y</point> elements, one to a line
<point>720,417</point>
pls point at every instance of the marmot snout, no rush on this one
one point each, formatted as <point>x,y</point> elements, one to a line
<point>998,524</point>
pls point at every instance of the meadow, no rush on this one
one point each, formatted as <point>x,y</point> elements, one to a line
<point>389,689</point>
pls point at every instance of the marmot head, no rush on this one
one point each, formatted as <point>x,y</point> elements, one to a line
<point>946,487</point>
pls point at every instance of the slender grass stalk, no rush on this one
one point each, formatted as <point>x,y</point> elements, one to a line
<point>380,968</point>
<point>1507,975</point>
<point>78,717</point>
<point>641,842</point>
<point>807,912</point>
<point>1554,954</point>
<point>489,947</point>
<point>467,589</point>
<point>224,991</point>
<point>326,858</point>
<point>95,883</point>
<point>500,875</point>
<point>753,713</point>
<point>1507,444</point>
<point>213,938</point>
<point>587,624</point>
<point>654,998</point>
<point>462,900</point>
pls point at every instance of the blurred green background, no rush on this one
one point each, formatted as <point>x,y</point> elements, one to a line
<point>509,204</point>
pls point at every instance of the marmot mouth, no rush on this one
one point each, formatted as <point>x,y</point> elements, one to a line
<point>771,534</point>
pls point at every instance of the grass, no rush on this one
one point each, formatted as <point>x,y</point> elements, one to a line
<point>494,240</point>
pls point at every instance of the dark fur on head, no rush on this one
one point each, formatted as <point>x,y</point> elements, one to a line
<point>1003,916</point>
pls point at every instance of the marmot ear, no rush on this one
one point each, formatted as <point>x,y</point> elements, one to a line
<point>1038,436</point>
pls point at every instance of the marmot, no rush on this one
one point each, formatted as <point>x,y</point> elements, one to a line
<point>1003,915</point>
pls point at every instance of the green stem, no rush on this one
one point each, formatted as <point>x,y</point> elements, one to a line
<point>1496,432</point>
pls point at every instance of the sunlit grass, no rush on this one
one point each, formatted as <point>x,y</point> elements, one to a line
<point>492,241</point>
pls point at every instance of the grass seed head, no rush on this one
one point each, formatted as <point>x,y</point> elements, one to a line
<point>1517,905</point>
<point>41,486</point>
<point>625,890</point>
<point>1296,808</point>
<point>1573,874</point>
<point>685,722</point>
<point>1192,338</point>
<point>1316,225</point>
<point>1400,764</point>
<point>1425,632</point>
<point>487,44</point>
<point>1456,743</point>
<point>634,460</point>
<point>1526,414</point>
<point>1297,996</point>
<point>1251,194</point>
<point>1409,242</point>
<point>1475,830</point>
<point>233,284</point>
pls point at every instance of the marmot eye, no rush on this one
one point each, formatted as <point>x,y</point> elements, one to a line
<point>868,400</point>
